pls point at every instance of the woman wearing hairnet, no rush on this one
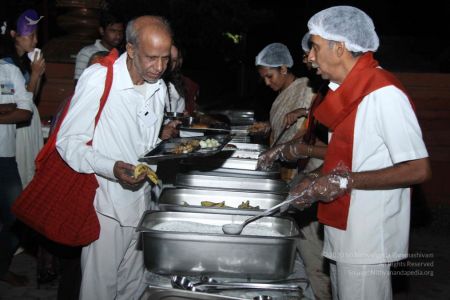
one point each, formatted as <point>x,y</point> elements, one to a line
<point>375,153</point>
<point>274,63</point>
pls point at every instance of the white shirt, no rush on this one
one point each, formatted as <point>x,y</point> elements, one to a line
<point>84,55</point>
<point>386,133</point>
<point>177,103</point>
<point>121,134</point>
<point>12,90</point>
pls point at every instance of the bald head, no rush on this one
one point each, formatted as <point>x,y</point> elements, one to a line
<point>139,27</point>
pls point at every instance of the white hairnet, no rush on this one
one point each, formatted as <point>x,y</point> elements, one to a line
<point>274,55</point>
<point>345,24</point>
<point>305,42</point>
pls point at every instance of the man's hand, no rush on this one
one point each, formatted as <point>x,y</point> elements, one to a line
<point>325,188</point>
<point>124,173</point>
<point>170,130</point>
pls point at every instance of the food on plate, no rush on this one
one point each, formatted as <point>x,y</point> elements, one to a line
<point>209,143</point>
<point>144,169</point>
<point>186,147</point>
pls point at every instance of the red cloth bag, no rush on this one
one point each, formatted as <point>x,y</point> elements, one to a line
<point>58,202</point>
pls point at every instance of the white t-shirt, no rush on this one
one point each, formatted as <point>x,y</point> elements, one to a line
<point>84,55</point>
<point>386,133</point>
<point>122,133</point>
<point>12,90</point>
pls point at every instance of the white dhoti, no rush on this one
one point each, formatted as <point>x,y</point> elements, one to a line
<point>112,267</point>
<point>368,282</point>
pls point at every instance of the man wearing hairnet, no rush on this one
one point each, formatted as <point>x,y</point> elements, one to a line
<point>375,153</point>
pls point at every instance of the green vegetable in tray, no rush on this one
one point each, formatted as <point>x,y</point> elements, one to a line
<point>246,205</point>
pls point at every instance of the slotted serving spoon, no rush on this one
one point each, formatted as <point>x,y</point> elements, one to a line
<point>236,229</point>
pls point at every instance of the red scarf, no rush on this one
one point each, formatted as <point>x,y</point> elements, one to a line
<point>338,113</point>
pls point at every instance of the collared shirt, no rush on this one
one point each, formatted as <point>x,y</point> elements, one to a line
<point>12,90</point>
<point>386,133</point>
<point>121,134</point>
<point>84,56</point>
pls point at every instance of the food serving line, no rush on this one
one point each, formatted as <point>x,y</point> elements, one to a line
<point>186,253</point>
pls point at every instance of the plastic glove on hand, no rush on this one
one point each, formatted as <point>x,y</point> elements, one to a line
<point>266,159</point>
<point>325,188</point>
<point>300,191</point>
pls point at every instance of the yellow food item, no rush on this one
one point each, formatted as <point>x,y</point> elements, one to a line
<point>213,204</point>
<point>144,169</point>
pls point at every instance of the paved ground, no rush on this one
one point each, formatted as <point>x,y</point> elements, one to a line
<point>426,275</point>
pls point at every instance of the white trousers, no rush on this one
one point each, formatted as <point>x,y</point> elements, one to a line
<point>360,282</point>
<point>112,267</point>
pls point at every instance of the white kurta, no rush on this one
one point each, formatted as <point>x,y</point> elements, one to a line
<point>386,133</point>
<point>112,266</point>
<point>120,134</point>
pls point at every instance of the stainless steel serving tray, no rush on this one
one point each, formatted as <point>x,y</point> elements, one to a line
<point>233,183</point>
<point>184,199</point>
<point>161,293</point>
<point>164,150</point>
<point>216,254</point>
<point>270,174</point>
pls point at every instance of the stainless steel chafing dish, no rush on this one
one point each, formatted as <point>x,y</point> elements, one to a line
<point>193,253</point>
<point>229,182</point>
<point>185,199</point>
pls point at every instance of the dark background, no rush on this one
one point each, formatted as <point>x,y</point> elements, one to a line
<point>413,38</point>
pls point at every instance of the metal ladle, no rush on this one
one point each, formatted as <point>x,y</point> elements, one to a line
<point>181,282</point>
<point>236,229</point>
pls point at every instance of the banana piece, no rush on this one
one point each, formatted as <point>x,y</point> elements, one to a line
<point>143,168</point>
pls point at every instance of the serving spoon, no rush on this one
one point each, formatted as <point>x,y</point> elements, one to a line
<point>236,229</point>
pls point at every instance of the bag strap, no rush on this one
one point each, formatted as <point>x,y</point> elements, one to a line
<point>106,61</point>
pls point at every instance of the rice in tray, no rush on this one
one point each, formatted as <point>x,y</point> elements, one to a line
<point>193,227</point>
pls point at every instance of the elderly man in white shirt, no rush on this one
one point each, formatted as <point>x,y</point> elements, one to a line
<point>112,267</point>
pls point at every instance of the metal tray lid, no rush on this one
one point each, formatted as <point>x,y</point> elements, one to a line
<point>163,150</point>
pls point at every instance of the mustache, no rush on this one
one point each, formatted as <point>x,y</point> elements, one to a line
<point>314,65</point>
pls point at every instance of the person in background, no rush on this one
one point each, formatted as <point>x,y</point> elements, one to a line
<point>190,87</point>
<point>111,32</point>
<point>375,153</point>
<point>273,64</point>
<point>18,43</point>
<point>129,126</point>
<point>16,106</point>
<point>175,101</point>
